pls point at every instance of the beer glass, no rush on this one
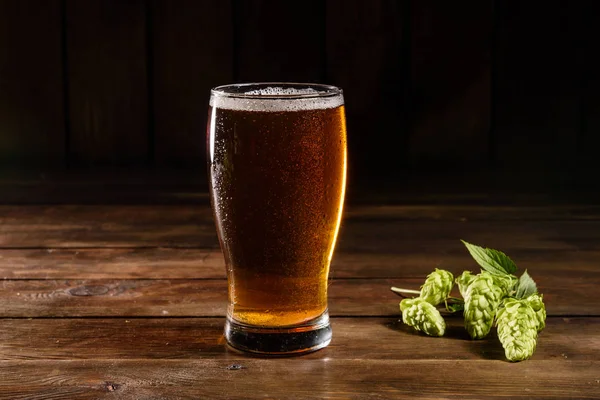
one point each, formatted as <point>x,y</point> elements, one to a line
<point>277,170</point>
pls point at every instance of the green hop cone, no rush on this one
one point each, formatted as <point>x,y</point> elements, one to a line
<point>482,297</point>
<point>517,329</point>
<point>506,282</point>
<point>536,303</point>
<point>422,316</point>
<point>437,286</point>
<point>463,281</point>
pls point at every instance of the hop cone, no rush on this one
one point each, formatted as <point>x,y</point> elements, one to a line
<point>422,316</point>
<point>506,282</point>
<point>463,281</point>
<point>437,286</point>
<point>482,297</point>
<point>517,329</point>
<point>536,303</point>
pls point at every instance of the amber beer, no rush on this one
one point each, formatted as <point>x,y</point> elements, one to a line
<point>277,162</point>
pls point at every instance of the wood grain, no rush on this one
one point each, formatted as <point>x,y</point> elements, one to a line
<point>564,296</point>
<point>149,324</point>
<point>116,226</point>
<point>31,88</point>
<point>279,41</point>
<point>108,103</point>
<point>148,263</point>
<point>170,263</point>
<point>298,378</point>
<point>192,53</point>
<point>192,226</point>
<point>572,339</point>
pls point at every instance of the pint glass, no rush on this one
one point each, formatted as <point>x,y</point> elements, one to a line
<point>277,170</point>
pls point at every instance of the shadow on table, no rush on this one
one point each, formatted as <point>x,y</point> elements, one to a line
<point>488,348</point>
<point>454,329</point>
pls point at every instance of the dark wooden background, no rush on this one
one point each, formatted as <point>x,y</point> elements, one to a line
<point>504,87</point>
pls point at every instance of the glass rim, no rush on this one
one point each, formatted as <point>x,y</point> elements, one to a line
<point>236,90</point>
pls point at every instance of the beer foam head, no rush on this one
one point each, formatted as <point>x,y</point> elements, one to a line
<point>277,98</point>
<point>282,91</point>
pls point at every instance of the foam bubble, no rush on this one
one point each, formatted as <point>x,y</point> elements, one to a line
<point>281,91</point>
<point>274,99</point>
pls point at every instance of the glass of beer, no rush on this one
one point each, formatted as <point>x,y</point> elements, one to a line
<point>277,166</point>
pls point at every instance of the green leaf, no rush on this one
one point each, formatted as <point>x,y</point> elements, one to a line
<point>493,261</point>
<point>526,286</point>
<point>455,307</point>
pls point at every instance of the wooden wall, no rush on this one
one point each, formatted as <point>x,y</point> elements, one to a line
<point>429,84</point>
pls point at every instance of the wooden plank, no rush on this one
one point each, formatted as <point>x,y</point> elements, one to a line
<point>179,214</point>
<point>450,83</point>
<point>367,56</point>
<point>174,214</point>
<point>207,298</point>
<point>170,263</point>
<point>425,236</point>
<point>536,89</point>
<point>148,263</point>
<point>119,226</point>
<point>192,53</point>
<point>192,226</point>
<point>31,87</point>
<point>279,41</point>
<point>286,378</point>
<point>108,103</point>
<point>574,339</point>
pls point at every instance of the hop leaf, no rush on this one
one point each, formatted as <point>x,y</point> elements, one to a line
<point>537,304</point>
<point>526,286</point>
<point>492,261</point>
<point>437,286</point>
<point>517,329</point>
<point>482,297</point>
<point>422,316</point>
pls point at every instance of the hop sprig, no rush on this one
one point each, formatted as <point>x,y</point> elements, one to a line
<point>493,295</point>
<point>423,316</point>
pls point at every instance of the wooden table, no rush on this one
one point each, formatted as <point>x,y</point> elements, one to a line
<point>127,301</point>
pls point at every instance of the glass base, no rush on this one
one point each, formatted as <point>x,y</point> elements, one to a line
<point>310,336</point>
